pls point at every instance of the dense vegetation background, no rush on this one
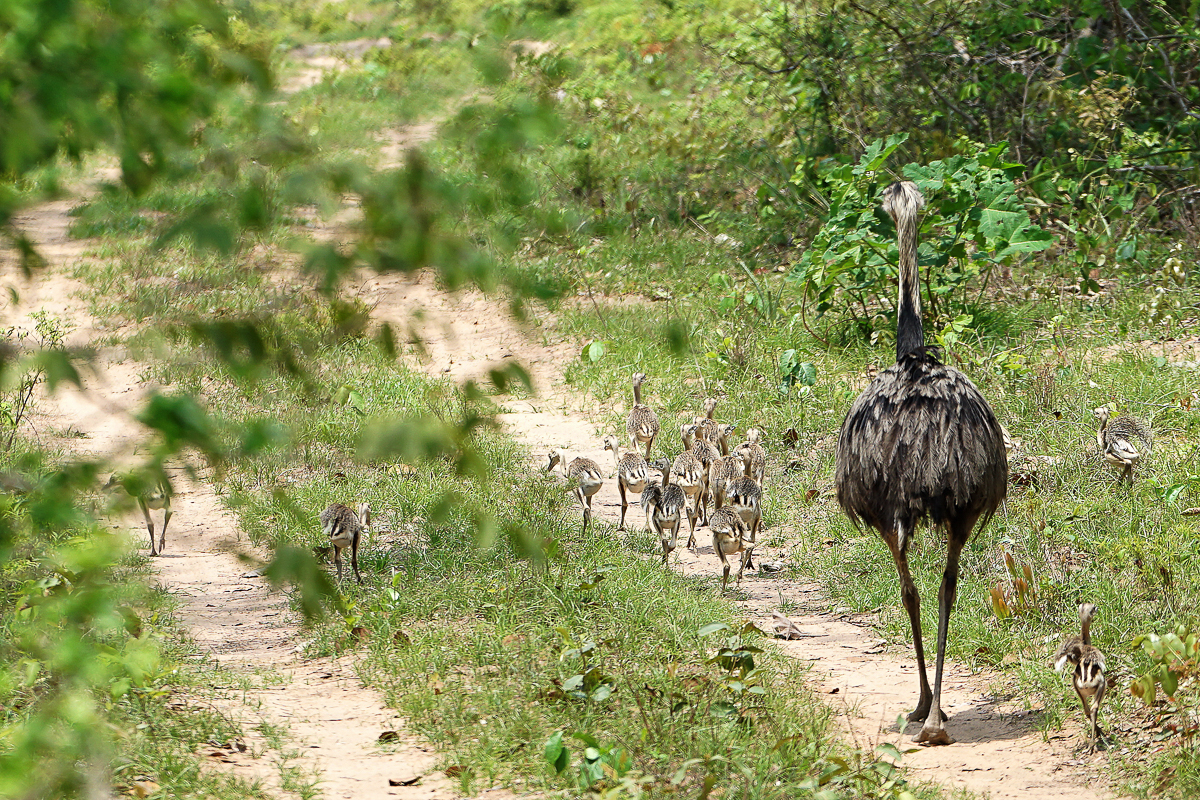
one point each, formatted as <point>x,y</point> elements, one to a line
<point>722,161</point>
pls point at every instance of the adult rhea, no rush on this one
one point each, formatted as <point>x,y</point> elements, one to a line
<point>920,443</point>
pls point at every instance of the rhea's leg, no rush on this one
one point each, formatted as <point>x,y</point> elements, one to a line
<point>674,535</point>
<point>668,541</point>
<point>354,557</point>
<point>587,510</point>
<point>1096,731</point>
<point>624,503</point>
<point>724,562</point>
<point>746,553</point>
<point>912,604</point>
<point>753,540</point>
<point>149,524</point>
<point>691,514</point>
<point>934,731</point>
<point>162,535</point>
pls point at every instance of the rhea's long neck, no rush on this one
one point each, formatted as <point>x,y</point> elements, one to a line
<point>909,334</point>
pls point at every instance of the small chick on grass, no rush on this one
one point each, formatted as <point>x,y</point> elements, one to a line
<point>1087,676</point>
<point>344,528</point>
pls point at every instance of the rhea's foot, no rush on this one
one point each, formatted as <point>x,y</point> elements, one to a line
<point>931,735</point>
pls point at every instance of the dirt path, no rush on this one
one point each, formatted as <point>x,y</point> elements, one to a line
<point>333,721</point>
<point>999,752</point>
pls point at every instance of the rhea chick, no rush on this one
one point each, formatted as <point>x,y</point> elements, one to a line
<point>344,528</point>
<point>1088,669</point>
<point>1123,440</point>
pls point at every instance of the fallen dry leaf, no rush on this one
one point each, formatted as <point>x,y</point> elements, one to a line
<point>455,770</point>
<point>785,628</point>
<point>388,736</point>
<point>219,755</point>
<point>144,788</point>
<point>413,781</point>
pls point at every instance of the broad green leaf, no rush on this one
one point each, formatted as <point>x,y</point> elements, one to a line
<point>593,351</point>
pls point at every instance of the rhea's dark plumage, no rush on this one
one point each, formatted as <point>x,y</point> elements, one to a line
<point>920,444</point>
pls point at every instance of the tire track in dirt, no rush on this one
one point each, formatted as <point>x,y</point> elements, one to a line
<point>999,751</point>
<point>333,720</point>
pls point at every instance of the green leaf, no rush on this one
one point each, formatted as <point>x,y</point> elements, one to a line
<point>713,627</point>
<point>509,375</point>
<point>58,368</point>
<point>807,374</point>
<point>1169,681</point>
<point>878,152</point>
<point>1143,687</point>
<point>1025,240</point>
<point>890,750</point>
<point>555,752</point>
<point>593,351</point>
<point>181,422</point>
<point>722,710</point>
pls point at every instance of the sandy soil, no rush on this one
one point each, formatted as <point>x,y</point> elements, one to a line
<point>333,720</point>
<point>460,336</point>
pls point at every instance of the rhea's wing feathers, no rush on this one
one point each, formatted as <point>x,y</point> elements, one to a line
<point>652,497</point>
<point>920,442</point>
<point>673,499</point>
<point>1121,450</point>
<point>1069,652</point>
<point>1131,429</point>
